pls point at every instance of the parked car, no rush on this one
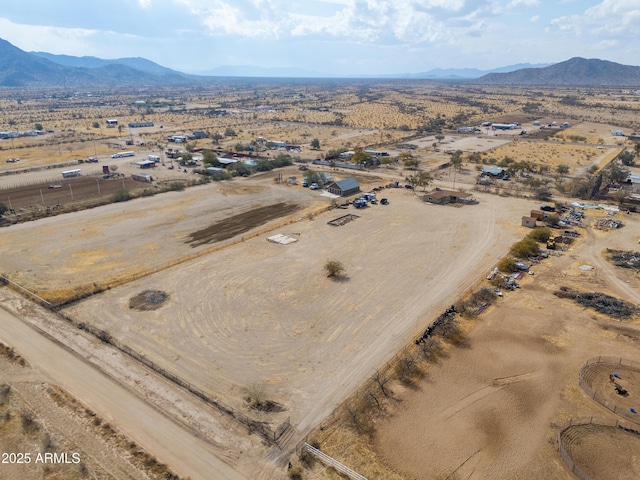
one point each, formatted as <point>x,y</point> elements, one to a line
<point>314,186</point>
<point>55,186</point>
<point>305,183</point>
<point>384,201</point>
<point>410,187</point>
<point>547,208</point>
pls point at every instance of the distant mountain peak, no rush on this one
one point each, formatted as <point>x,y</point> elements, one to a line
<point>576,71</point>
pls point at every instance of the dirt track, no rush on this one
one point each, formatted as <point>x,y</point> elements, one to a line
<point>186,454</point>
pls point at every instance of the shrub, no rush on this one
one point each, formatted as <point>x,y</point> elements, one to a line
<point>176,186</point>
<point>122,196</point>
<point>540,235</point>
<point>295,473</point>
<point>334,269</point>
<point>148,192</point>
<point>507,265</point>
<point>527,247</point>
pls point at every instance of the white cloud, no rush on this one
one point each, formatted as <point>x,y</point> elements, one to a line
<point>609,18</point>
<point>535,18</point>
<point>523,3</point>
<point>44,38</point>
<point>387,21</point>
<point>144,3</point>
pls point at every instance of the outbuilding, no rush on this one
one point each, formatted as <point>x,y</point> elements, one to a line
<point>529,222</point>
<point>442,197</point>
<point>345,187</point>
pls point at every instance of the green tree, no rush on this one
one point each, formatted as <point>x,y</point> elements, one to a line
<point>616,173</point>
<point>439,138</point>
<point>562,169</point>
<point>189,147</point>
<point>551,220</point>
<point>360,157</point>
<point>334,269</point>
<point>456,160</point>
<point>507,265</point>
<point>210,159</point>
<point>95,125</point>
<point>526,247</point>
<point>540,234</point>
<point>408,160</point>
<point>315,144</point>
<point>3,209</point>
<point>230,132</point>
<point>38,126</point>
<point>215,138</point>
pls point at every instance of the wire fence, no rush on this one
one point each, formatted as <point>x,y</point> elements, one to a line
<point>612,362</point>
<point>562,432</point>
<point>375,383</point>
<point>262,429</point>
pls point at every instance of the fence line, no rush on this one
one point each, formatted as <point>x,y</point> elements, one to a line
<point>327,460</point>
<point>252,425</point>
<point>607,360</point>
<point>337,414</point>
<point>566,457</point>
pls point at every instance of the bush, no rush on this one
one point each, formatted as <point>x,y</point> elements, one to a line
<point>295,473</point>
<point>334,269</point>
<point>176,186</point>
<point>527,247</point>
<point>122,196</point>
<point>148,192</point>
<point>507,265</point>
<point>540,235</point>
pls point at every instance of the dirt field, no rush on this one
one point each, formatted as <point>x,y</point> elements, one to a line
<point>603,452</point>
<point>491,410</point>
<point>100,245</point>
<point>272,319</point>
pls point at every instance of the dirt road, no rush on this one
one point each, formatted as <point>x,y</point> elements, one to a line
<point>186,455</point>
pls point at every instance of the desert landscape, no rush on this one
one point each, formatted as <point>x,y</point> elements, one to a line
<point>243,356</point>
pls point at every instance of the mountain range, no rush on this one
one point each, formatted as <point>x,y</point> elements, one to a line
<point>36,69</point>
<point>575,72</point>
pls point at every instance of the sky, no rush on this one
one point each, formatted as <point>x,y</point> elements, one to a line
<point>329,37</point>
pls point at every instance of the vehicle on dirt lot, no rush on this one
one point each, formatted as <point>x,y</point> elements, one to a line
<point>314,186</point>
<point>547,208</point>
<point>384,201</point>
<point>55,186</point>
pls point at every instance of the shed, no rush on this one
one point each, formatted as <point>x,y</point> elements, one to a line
<point>345,187</point>
<point>529,222</point>
<point>442,197</point>
<point>539,214</point>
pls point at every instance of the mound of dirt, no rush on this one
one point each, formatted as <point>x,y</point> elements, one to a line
<point>148,300</point>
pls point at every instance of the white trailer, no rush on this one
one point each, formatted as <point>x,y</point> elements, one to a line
<point>154,158</point>
<point>123,154</point>
<point>71,173</point>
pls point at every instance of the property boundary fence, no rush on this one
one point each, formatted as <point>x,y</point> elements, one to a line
<point>337,415</point>
<point>566,457</point>
<point>253,426</point>
<point>613,361</point>
<point>327,460</point>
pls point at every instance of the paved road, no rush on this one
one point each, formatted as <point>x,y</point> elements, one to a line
<point>184,453</point>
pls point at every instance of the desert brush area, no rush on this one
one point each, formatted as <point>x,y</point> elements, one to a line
<point>155,324</point>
